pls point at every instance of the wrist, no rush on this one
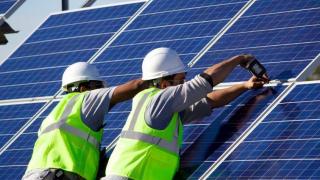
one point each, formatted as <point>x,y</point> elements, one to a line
<point>240,59</point>
<point>246,86</point>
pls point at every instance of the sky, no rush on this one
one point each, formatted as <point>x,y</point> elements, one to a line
<point>31,14</point>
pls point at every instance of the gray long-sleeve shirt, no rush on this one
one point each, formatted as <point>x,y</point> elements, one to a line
<point>94,107</point>
<point>189,99</point>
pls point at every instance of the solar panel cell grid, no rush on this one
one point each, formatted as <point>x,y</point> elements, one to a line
<point>272,6</point>
<point>280,33</point>
<point>61,45</point>
<point>29,90</point>
<point>286,143</point>
<point>56,59</point>
<point>84,29</point>
<point>31,76</point>
<point>13,117</point>
<point>167,5</point>
<point>93,15</point>
<point>17,156</point>
<point>223,129</point>
<point>177,31</point>
<point>62,40</point>
<point>11,172</point>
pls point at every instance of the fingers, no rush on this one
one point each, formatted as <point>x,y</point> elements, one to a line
<point>266,78</point>
<point>255,83</point>
<point>248,56</point>
<point>246,60</point>
<point>258,85</point>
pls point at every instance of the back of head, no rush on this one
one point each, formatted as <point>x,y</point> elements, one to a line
<point>161,62</point>
<point>79,72</point>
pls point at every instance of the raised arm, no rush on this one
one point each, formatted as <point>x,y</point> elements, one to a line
<point>222,97</point>
<point>220,71</point>
<point>127,91</point>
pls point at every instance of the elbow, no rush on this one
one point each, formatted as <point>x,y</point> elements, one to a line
<point>139,85</point>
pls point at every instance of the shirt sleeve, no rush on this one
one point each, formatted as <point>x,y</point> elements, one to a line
<point>196,111</point>
<point>94,107</point>
<point>176,99</point>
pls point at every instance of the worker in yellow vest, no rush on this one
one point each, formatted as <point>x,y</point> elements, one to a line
<point>68,143</point>
<point>148,147</point>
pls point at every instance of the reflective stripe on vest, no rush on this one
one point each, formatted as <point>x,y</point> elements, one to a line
<point>115,177</point>
<point>62,125</point>
<point>131,134</point>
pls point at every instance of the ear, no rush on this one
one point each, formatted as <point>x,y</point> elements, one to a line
<point>83,89</point>
<point>164,84</point>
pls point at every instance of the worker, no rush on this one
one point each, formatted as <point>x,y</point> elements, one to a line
<point>68,143</point>
<point>148,146</point>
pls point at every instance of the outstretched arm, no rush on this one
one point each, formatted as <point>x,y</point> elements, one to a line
<point>220,71</point>
<point>127,91</point>
<point>222,97</point>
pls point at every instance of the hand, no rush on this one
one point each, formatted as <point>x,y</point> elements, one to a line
<point>255,83</point>
<point>245,60</point>
<point>265,78</point>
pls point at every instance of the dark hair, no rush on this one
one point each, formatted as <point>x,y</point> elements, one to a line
<point>87,84</point>
<point>155,82</point>
<point>170,77</point>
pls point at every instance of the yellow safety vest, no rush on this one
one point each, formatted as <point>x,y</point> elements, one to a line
<point>65,142</point>
<point>144,153</point>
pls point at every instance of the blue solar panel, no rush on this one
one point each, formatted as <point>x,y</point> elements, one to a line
<point>97,14</point>
<point>217,132</point>
<point>284,35</point>
<point>13,117</point>
<point>5,5</point>
<point>167,5</point>
<point>284,146</point>
<point>179,31</point>
<point>14,160</point>
<point>179,28</point>
<point>61,40</point>
<point>114,122</point>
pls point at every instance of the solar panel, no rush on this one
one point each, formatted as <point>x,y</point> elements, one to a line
<point>36,67</point>
<point>218,131</point>
<point>13,117</point>
<point>283,35</point>
<point>14,160</point>
<point>284,146</point>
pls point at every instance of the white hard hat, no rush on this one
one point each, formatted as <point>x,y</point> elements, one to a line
<point>161,62</point>
<point>80,71</point>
